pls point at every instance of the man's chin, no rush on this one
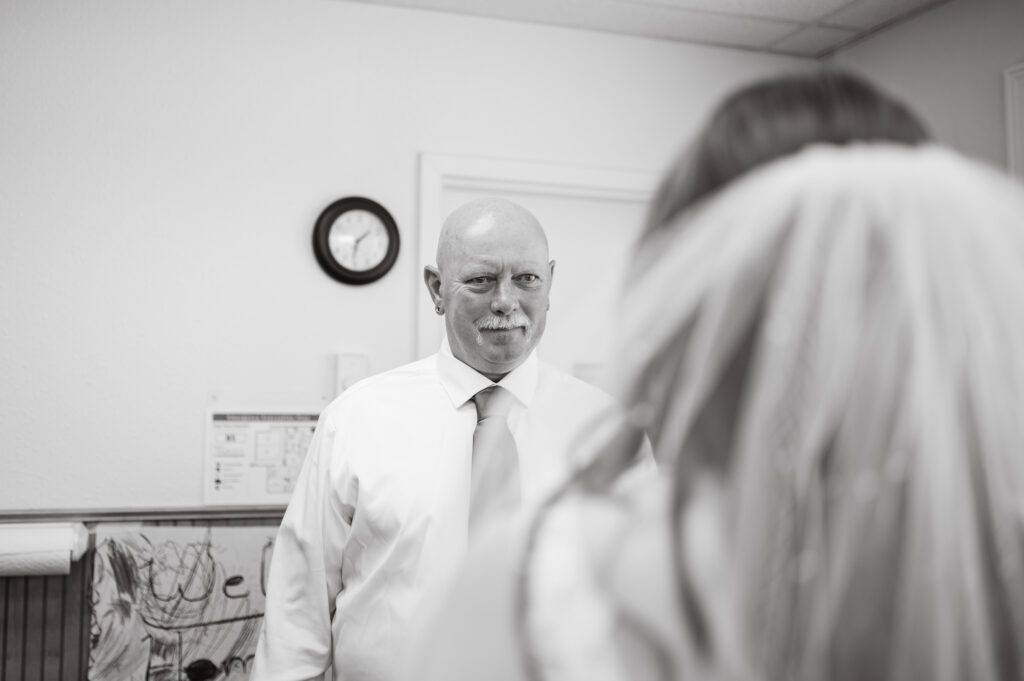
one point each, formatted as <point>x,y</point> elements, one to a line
<point>507,348</point>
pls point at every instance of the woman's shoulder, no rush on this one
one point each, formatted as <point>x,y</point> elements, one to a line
<point>542,590</point>
<point>599,525</point>
<point>471,633</point>
<point>575,619</point>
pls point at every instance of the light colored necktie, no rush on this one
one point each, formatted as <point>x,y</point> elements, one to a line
<point>494,476</point>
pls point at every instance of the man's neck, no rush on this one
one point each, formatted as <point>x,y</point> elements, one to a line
<point>493,378</point>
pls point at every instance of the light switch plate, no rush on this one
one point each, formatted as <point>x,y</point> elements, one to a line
<point>349,367</point>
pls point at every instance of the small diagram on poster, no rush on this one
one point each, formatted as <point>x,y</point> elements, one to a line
<point>254,457</point>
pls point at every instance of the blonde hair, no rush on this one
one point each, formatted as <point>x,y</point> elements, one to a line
<point>840,335</point>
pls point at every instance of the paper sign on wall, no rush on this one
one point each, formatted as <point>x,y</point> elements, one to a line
<point>253,457</point>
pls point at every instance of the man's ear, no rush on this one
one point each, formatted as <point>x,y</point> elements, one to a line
<point>432,278</point>
<point>551,272</point>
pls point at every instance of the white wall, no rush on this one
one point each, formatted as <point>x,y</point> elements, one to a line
<point>948,65</point>
<point>161,166</point>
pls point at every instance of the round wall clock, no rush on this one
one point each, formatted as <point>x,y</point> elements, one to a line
<point>355,240</point>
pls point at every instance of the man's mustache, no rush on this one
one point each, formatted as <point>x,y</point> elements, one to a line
<point>513,321</point>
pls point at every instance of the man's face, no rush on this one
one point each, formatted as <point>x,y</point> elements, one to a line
<point>494,284</point>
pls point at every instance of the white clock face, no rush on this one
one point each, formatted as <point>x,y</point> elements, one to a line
<point>358,240</point>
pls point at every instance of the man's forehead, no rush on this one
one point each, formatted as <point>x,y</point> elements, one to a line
<point>499,245</point>
<point>492,232</point>
<point>498,262</point>
<point>499,230</point>
<point>482,225</point>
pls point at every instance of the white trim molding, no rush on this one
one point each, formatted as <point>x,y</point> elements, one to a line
<point>1013,79</point>
<point>443,172</point>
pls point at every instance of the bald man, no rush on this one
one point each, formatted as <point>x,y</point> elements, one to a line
<point>492,282</point>
<point>381,514</point>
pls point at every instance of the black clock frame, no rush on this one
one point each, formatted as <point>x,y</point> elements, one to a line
<point>322,248</point>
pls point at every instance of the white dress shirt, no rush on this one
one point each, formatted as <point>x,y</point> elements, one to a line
<point>378,518</point>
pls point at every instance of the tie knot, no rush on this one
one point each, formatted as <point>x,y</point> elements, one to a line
<point>492,401</point>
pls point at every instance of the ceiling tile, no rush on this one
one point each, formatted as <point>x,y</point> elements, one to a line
<point>768,25</point>
<point>814,41</point>
<point>626,17</point>
<point>869,14</point>
<point>802,11</point>
<point>687,25</point>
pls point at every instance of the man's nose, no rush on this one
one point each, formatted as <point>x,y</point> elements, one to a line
<point>505,300</point>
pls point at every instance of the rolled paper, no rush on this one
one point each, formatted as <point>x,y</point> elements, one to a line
<point>38,563</point>
<point>41,548</point>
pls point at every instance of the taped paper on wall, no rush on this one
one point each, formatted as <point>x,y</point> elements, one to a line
<point>254,458</point>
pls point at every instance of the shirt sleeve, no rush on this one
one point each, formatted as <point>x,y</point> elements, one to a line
<point>305,571</point>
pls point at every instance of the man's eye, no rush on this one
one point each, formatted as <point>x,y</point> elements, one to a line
<point>528,278</point>
<point>479,281</point>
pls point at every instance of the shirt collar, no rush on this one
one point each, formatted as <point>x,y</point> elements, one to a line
<point>462,381</point>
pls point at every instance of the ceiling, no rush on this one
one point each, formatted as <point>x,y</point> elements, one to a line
<point>805,28</point>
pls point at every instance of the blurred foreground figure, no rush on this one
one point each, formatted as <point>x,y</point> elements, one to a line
<point>825,345</point>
